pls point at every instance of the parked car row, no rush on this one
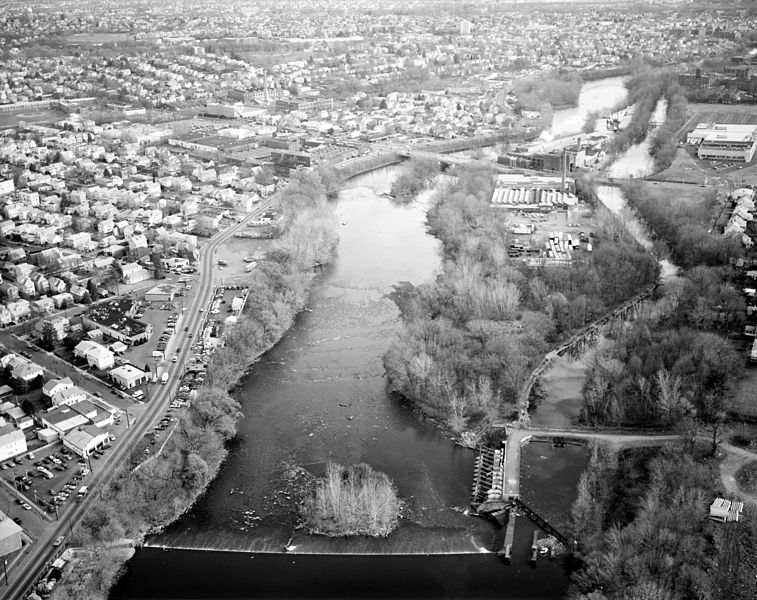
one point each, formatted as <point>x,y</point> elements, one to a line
<point>170,329</point>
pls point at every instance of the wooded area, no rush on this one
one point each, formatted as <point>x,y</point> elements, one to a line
<point>469,340</point>
<point>642,521</point>
<point>674,366</point>
<point>415,176</point>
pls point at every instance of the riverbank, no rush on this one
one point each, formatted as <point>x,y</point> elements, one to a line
<point>470,340</point>
<point>145,500</point>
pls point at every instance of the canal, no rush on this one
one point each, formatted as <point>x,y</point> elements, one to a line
<point>320,395</point>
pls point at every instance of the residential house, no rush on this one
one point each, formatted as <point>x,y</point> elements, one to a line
<point>96,355</point>
<point>69,396</point>
<point>8,290</point>
<point>132,273</point>
<point>59,324</point>
<point>53,386</point>
<point>19,310</point>
<point>43,305</point>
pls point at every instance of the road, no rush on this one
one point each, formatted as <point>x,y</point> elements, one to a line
<point>25,572</point>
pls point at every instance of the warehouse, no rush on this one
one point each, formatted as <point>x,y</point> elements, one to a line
<point>727,142</point>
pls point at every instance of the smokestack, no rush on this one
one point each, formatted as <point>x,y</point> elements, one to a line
<point>563,169</point>
<point>578,149</point>
<point>265,87</point>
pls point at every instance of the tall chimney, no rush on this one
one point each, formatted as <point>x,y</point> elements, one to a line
<point>578,149</point>
<point>563,170</point>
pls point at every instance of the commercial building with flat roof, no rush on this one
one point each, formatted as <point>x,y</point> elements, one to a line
<point>114,321</point>
<point>83,441</point>
<point>727,141</point>
<point>128,376</point>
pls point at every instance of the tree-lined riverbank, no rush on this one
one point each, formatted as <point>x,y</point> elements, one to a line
<point>469,341</point>
<point>144,500</point>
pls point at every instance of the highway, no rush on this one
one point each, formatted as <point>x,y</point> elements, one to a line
<point>25,571</point>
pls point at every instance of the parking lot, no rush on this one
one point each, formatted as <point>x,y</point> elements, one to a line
<point>48,479</point>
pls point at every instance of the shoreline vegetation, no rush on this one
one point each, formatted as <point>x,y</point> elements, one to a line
<point>547,93</point>
<point>415,176</point>
<point>641,517</point>
<point>352,501</point>
<point>144,501</point>
<point>468,341</point>
<point>676,365</point>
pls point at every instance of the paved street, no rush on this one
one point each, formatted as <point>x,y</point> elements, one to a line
<point>23,574</point>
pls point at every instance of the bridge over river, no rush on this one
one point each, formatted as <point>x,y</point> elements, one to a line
<point>495,494</point>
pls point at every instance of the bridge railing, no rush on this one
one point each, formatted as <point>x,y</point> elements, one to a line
<point>627,429</point>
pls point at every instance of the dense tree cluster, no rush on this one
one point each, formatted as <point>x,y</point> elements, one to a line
<point>469,340</point>
<point>667,551</point>
<point>673,365</point>
<point>663,147</point>
<point>658,375</point>
<point>557,90</point>
<point>645,89</point>
<point>683,226</point>
<point>354,500</point>
<point>146,499</point>
<point>415,176</point>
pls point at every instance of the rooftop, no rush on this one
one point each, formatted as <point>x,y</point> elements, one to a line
<point>113,314</point>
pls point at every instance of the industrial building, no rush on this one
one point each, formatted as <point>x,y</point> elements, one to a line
<point>533,193</point>
<point>726,142</point>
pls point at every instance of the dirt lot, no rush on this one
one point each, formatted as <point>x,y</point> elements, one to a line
<point>570,222</point>
<point>679,191</point>
<point>234,252</point>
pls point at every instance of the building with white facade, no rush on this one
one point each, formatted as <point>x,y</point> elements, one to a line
<point>84,440</point>
<point>725,142</point>
<point>96,355</point>
<point>12,442</point>
<point>128,376</point>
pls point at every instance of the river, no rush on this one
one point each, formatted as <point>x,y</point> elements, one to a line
<point>595,96</point>
<point>562,382</point>
<point>320,395</point>
<point>636,161</point>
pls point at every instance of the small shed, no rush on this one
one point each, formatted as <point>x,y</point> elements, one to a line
<point>725,511</point>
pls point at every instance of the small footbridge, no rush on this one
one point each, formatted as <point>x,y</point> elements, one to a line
<point>495,492</point>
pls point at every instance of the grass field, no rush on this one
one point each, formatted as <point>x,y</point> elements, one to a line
<point>727,111</point>
<point>679,191</point>
<point>99,38</point>
<point>8,120</point>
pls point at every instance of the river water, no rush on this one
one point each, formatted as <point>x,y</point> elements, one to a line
<point>563,381</point>
<point>636,161</point>
<point>595,96</point>
<point>320,395</point>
